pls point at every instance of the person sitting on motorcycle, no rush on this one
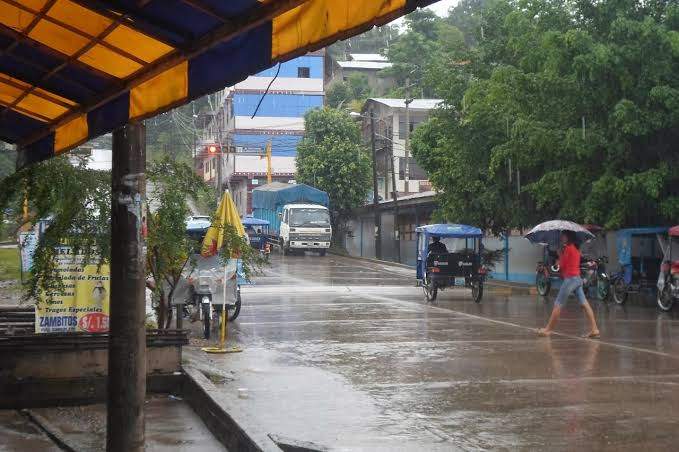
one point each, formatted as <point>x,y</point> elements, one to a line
<point>436,246</point>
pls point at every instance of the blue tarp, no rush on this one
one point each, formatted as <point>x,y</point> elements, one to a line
<point>275,194</point>
<point>250,221</point>
<point>623,241</point>
<point>451,230</point>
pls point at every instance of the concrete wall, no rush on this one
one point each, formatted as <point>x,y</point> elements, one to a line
<point>519,266</point>
<point>522,257</point>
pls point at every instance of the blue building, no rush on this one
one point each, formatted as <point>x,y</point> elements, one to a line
<point>280,116</point>
<point>294,88</point>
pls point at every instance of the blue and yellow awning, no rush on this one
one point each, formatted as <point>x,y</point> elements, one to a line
<point>71,70</point>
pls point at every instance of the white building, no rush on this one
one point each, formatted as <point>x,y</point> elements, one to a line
<point>390,137</point>
<point>95,159</point>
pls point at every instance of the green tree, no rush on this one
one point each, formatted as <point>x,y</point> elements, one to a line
<point>550,116</point>
<point>169,248</point>
<point>332,158</point>
<point>338,94</point>
<point>77,203</point>
<point>375,40</point>
<point>350,94</point>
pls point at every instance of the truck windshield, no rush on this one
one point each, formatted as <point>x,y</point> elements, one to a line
<point>309,217</point>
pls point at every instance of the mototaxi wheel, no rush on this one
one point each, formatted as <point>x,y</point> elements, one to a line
<point>430,289</point>
<point>205,308</point>
<point>477,291</point>
<point>665,299</point>
<point>543,284</point>
<point>620,291</point>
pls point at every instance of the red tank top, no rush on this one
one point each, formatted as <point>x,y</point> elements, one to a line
<point>569,263</point>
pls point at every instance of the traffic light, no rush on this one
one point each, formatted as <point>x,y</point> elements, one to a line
<point>212,149</point>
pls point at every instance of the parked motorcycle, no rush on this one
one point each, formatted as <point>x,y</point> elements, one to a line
<point>209,290</point>
<point>668,280</point>
<point>593,273</point>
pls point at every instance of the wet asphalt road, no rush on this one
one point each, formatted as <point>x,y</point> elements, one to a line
<point>346,354</point>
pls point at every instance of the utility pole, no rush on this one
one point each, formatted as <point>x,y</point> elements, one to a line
<point>127,336</point>
<point>406,173</point>
<point>394,194</point>
<point>376,204</point>
<point>219,170</point>
<point>269,170</point>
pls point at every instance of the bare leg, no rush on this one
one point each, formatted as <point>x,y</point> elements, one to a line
<point>553,319</point>
<point>589,313</point>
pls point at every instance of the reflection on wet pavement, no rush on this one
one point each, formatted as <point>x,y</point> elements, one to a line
<point>364,363</point>
<point>18,433</point>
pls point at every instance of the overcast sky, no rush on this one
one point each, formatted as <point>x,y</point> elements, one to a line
<point>441,7</point>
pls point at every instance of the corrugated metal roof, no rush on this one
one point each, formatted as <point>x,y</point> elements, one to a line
<point>416,104</point>
<point>376,65</point>
<point>367,57</point>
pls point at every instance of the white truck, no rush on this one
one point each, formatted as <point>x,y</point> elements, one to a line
<point>298,216</point>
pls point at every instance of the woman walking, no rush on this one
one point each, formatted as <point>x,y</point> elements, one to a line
<point>569,267</point>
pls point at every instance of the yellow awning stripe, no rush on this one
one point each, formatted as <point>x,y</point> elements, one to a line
<point>38,104</point>
<point>68,28</point>
<point>162,90</point>
<point>70,134</point>
<point>316,20</point>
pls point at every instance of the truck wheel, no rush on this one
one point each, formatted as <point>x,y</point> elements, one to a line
<point>286,249</point>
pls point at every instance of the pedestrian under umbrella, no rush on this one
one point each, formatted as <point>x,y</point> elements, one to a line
<point>569,268</point>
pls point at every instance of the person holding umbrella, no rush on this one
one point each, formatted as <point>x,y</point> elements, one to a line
<point>568,234</point>
<point>569,268</point>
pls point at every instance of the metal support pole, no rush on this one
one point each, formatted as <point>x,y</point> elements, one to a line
<point>507,256</point>
<point>376,203</point>
<point>127,336</point>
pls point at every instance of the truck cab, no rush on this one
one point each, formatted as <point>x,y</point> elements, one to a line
<point>305,227</point>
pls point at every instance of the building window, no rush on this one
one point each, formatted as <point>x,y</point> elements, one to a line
<point>303,72</point>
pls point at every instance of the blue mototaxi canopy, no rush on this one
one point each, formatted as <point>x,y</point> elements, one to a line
<point>251,221</point>
<point>71,70</point>
<point>450,230</point>
<point>623,241</point>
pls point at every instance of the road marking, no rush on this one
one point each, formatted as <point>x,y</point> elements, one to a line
<point>455,383</point>
<point>516,325</point>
